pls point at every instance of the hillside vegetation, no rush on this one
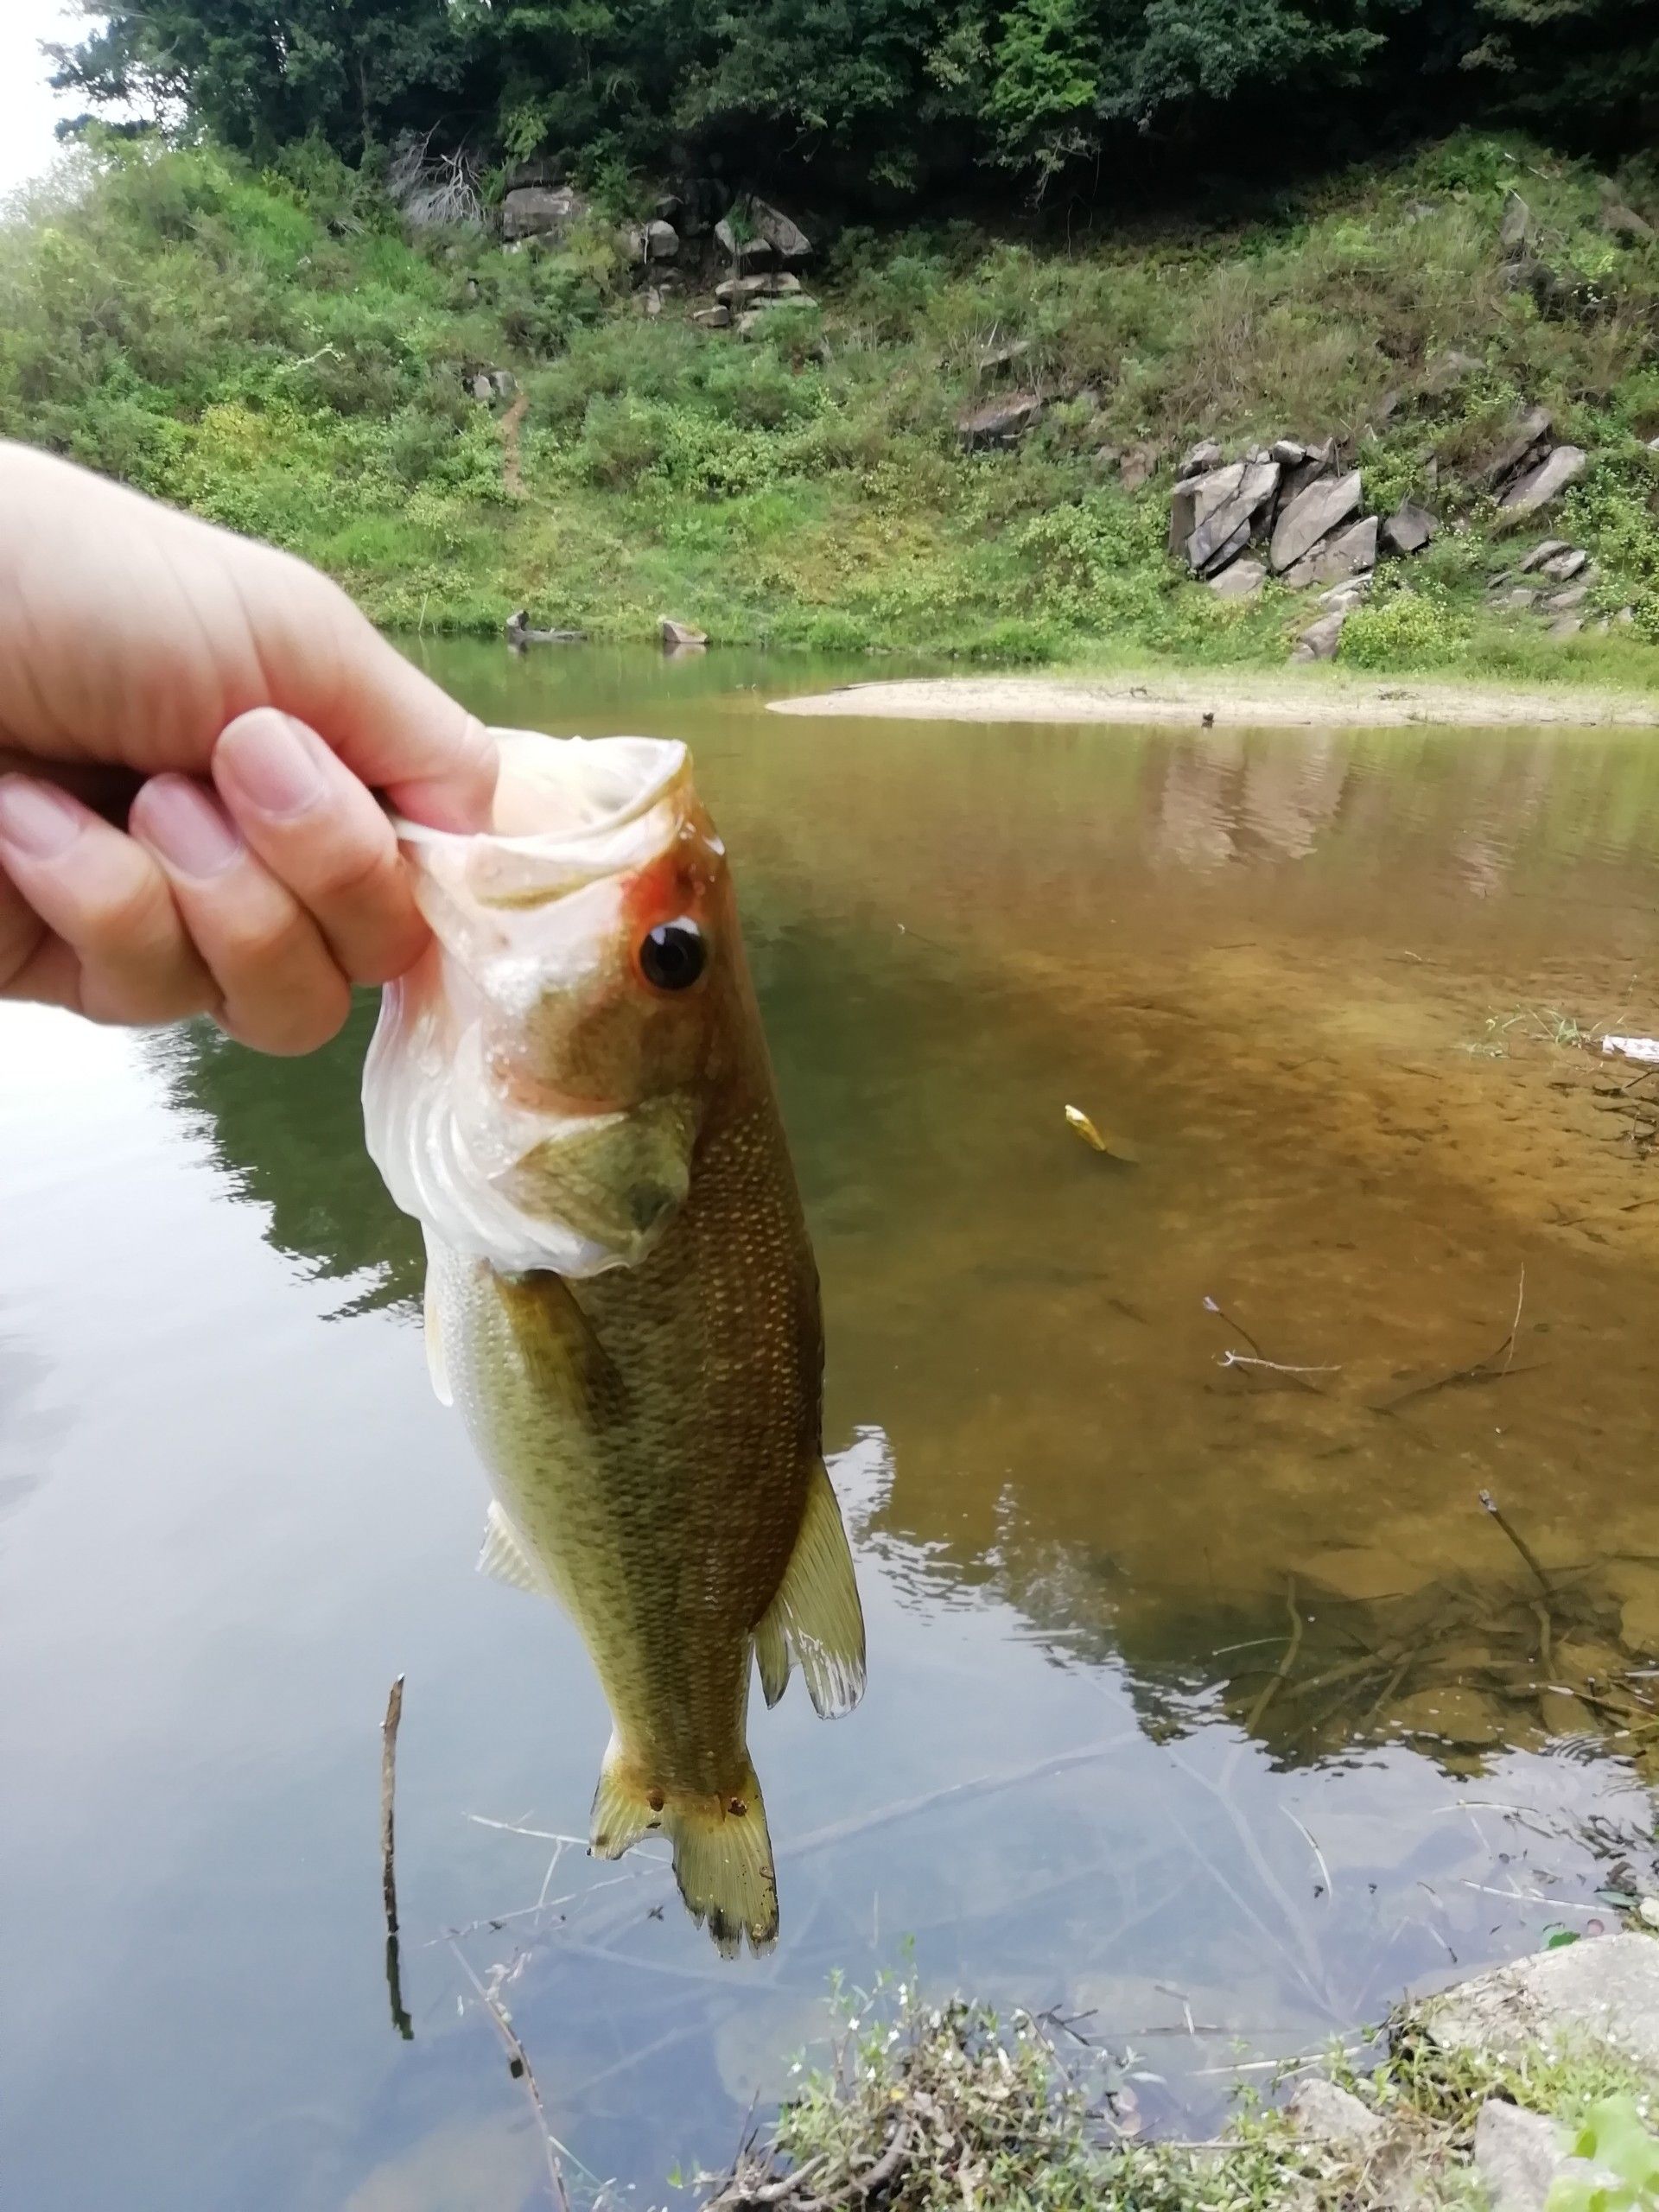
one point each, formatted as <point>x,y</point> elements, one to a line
<point>264,344</point>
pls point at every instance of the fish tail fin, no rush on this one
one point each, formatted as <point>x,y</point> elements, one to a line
<point>816,1617</point>
<point>722,1847</point>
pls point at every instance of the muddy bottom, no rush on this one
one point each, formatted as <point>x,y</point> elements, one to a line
<point>1257,1520</point>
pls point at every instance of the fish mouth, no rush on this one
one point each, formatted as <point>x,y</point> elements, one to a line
<point>566,811</point>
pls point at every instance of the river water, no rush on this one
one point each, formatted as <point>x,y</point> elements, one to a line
<point>1205,1698</point>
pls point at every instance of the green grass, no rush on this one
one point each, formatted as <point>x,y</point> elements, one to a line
<point>925,2108</point>
<point>267,348</point>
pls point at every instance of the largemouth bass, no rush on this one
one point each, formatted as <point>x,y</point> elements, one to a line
<point>572,1094</point>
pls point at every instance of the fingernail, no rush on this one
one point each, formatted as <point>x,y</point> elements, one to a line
<point>39,820</point>
<point>186,828</point>
<point>270,761</point>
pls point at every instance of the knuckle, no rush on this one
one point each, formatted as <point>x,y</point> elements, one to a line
<point>359,871</point>
<point>292,1026</point>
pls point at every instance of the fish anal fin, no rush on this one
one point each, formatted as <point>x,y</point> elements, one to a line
<point>505,1557</point>
<point>815,1619</point>
<point>435,1364</point>
<point>722,1849</point>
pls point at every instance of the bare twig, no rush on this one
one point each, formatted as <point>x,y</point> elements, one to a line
<point>1288,1660</point>
<point>388,1792</point>
<point>1490,1505</point>
<point>521,2070</point>
<point>400,2018</point>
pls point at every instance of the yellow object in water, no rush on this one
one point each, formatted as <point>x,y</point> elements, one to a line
<point>572,1094</point>
<point>1114,1147</point>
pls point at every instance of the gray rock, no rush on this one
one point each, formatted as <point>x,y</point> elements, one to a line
<point>738,291</point>
<point>1545,550</point>
<point>1350,552</point>
<point>750,252</point>
<point>535,210</point>
<point>1224,525</point>
<point>1410,527</point>
<point>1328,2114</point>
<point>1320,640</point>
<point>1653,445</point>
<point>1520,2156</point>
<point>1544,483</point>
<point>1517,599</point>
<point>1312,515</point>
<point>1242,580</point>
<point>1515,232</point>
<point>1454,367</point>
<point>998,423</point>
<point>715,318</point>
<point>1562,602</point>
<point>1342,599</point>
<point>1139,465</point>
<point>788,241</point>
<point>1517,447</point>
<point>680,636</point>
<point>1562,566</point>
<point>482,388</point>
<point>1625,617</point>
<point>1199,460</point>
<point>1605,1989</point>
<point>662,241</point>
<point>994,359</point>
<point>1287,453</point>
<point>1196,498</point>
<point>1564,626</point>
<point>1624,224</point>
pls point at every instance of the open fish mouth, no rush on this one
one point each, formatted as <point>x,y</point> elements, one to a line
<point>528,1175</point>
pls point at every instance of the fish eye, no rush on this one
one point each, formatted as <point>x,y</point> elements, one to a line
<point>674,954</point>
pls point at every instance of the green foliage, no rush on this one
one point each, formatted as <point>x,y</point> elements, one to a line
<point>1625,2156</point>
<point>888,98</point>
<point>258,340</point>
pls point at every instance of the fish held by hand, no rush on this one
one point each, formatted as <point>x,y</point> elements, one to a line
<point>571,1092</point>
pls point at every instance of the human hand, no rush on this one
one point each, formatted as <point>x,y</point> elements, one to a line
<point>258,878</point>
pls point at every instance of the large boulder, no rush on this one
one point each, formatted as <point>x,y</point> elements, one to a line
<point>788,241</point>
<point>1515,231</point>
<point>1241,580</point>
<point>1313,514</point>
<point>537,211</point>
<point>1320,640</point>
<point>1605,1990</point>
<point>1000,422</point>
<point>1518,448</point>
<point>1350,552</point>
<point>1225,526</point>
<point>1520,2156</point>
<point>1542,483</point>
<point>655,241</point>
<point>1409,528</point>
<point>1199,460</point>
<point>762,237</point>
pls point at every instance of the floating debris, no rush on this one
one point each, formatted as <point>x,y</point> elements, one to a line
<point>1628,1048</point>
<point>1114,1147</point>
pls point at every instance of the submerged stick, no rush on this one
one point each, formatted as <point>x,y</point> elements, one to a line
<point>519,2067</point>
<point>400,2018</point>
<point>1288,1660</point>
<point>1490,1504</point>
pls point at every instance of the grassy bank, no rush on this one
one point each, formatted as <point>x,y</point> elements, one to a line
<point>934,2109</point>
<point>267,347</point>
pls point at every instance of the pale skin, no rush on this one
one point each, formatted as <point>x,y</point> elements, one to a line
<point>193,729</point>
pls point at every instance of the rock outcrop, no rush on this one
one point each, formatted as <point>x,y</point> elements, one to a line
<point>1546,481</point>
<point>536,211</point>
<point>1313,514</point>
<point>999,422</point>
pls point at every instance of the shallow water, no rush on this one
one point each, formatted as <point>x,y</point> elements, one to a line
<point>1206,1696</point>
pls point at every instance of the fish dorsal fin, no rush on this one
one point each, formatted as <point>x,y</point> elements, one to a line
<point>504,1558</point>
<point>815,1620</point>
<point>435,1366</point>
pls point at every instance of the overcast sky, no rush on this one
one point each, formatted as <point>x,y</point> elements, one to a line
<point>28,108</point>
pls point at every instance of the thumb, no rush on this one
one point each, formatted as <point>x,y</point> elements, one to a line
<point>400,734</point>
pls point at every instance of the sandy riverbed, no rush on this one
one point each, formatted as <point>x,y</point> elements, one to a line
<point>1316,698</point>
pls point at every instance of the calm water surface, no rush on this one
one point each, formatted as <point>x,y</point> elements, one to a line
<point>1204,1695</point>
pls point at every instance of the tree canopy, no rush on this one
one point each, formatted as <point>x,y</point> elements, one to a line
<point>885,94</point>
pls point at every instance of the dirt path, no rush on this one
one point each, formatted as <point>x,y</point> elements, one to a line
<point>1316,698</point>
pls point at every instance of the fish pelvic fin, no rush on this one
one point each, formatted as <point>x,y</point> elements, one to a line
<point>722,1847</point>
<point>815,1620</point>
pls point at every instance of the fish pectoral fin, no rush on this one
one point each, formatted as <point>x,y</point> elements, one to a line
<point>722,1847</point>
<point>815,1619</point>
<point>505,1557</point>
<point>435,1366</point>
<point>562,1356</point>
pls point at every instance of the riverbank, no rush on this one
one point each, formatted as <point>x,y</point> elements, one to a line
<point>1293,698</point>
<point>1526,2090</point>
<point>944,442</point>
